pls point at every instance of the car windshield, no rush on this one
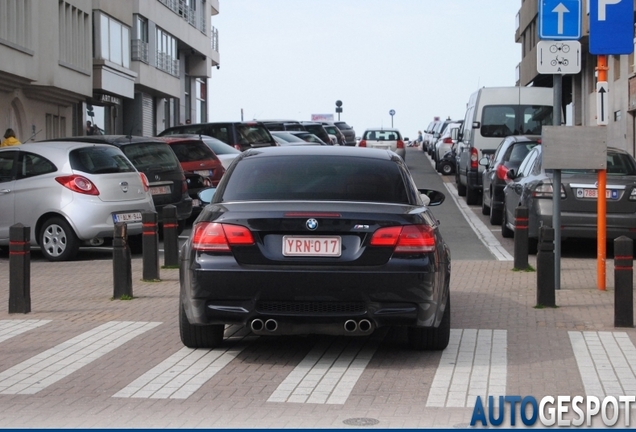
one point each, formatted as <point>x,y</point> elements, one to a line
<point>316,178</point>
<point>100,160</point>
<point>309,137</point>
<point>294,127</point>
<point>288,137</point>
<point>151,156</point>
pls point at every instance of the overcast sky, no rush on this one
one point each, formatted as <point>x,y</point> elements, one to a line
<point>421,58</point>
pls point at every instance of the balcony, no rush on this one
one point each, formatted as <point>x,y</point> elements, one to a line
<point>181,8</point>
<point>167,64</point>
<point>140,51</point>
<point>214,38</point>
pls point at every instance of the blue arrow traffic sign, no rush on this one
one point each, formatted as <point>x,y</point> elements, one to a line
<point>560,19</point>
<point>611,27</point>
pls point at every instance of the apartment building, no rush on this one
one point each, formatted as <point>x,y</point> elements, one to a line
<point>579,91</point>
<point>130,66</point>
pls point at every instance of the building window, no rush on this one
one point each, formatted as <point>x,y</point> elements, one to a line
<point>74,36</point>
<point>201,101</point>
<point>617,67</point>
<point>187,100</point>
<point>55,126</point>
<point>618,115</point>
<point>114,41</point>
<point>140,39</point>
<point>167,60</point>
<point>15,23</point>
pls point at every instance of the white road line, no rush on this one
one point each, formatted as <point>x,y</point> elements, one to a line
<point>474,364</point>
<point>606,361</point>
<point>328,373</point>
<point>186,371</point>
<point>12,328</point>
<point>483,232</point>
<point>44,369</point>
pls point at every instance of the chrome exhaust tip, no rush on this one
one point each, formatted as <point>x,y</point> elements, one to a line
<point>256,325</point>
<point>271,325</point>
<point>350,326</point>
<point>365,325</point>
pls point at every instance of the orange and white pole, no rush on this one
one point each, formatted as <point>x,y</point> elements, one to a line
<point>601,235</point>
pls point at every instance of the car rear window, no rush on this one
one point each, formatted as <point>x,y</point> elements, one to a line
<point>382,135</point>
<point>151,156</point>
<point>252,134</point>
<point>190,151</point>
<point>100,160</point>
<point>316,178</point>
<point>343,126</point>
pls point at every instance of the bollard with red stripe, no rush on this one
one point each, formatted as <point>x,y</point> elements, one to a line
<point>122,265</point>
<point>150,240</point>
<point>170,236</point>
<point>521,238</point>
<point>19,269</point>
<point>623,282</point>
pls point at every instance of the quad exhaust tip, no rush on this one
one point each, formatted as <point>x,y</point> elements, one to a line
<point>365,325</point>
<point>257,325</point>
<point>271,325</point>
<point>350,326</point>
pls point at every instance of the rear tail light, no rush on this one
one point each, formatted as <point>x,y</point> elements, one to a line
<point>501,172</point>
<point>237,146</point>
<point>448,140</point>
<point>406,239</point>
<point>78,184</point>
<point>144,181</point>
<point>400,144</point>
<point>546,191</point>
<point>216,237</point>
<point>184,185</point>
<point>632,195</point>
<point>474,156</point>
<point>362,143</point>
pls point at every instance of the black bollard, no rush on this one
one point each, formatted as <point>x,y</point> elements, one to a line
<point>170,237</point>
<point>521,238</point>
<point>122,265</point>
<point>19,269</point>
<point>150,242</point>
<point>545,268</point>
<point>623,282</point>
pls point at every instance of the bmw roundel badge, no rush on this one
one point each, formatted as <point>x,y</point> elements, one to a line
<point>311,224</point>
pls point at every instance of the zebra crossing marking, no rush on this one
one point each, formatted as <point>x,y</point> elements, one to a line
<point>186,371</point>
<point>606,362</point>
<point>328,372</point>
<point>50,366</point>
<point>474,364</point>
<point>12,328</point>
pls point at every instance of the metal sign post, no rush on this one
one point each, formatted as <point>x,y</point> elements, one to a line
<point>392,113</point>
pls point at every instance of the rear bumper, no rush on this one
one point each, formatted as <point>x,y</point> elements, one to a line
<point>306,300</point>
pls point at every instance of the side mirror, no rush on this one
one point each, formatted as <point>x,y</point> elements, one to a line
<point>454,134</point>
<point>476,125</point>
<point>406,139</point>
<point>511,174</point>
<point>485,161</point>
<point>433,197</point>
<point>206,195</point>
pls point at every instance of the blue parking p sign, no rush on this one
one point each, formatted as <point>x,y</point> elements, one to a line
<point>560,19</point>
<point>611,27</point>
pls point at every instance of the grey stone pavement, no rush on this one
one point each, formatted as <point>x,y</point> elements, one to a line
<point>394,387</point>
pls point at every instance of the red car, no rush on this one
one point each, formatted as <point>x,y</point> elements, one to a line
<point>196,158</point>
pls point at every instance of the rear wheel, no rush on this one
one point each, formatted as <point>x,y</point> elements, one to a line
<point>495,215</point>
<point>472,196</point>
<point>505,231</point>
<point>426,338</point>
<point>533,245</point>
<point>485,210</point>
<point>58,241</point>
<point>205,336</point>
<point>461,189</point>
<point>446,168</point>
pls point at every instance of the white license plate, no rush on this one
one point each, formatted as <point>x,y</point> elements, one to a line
<point>127,217</point>
<point>160,190</point>
<point>204,173</point>
<point>593,193</point>
<point>312,246</point>
<point>196,203</point>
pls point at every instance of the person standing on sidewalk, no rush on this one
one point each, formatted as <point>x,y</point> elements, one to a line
<point>10,139</point>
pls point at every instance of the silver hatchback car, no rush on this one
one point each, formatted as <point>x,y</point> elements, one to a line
<point>388,139</point>
<point>70,194</point>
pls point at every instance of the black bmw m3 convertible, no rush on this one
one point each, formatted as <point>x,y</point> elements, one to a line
<point>316,240</point>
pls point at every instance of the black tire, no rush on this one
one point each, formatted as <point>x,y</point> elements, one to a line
<point>446,168</point>
<point>472,196</point>
<point>485,210</point>
<point>533,245</point>
<point>426,338</point>
<point>505,231</point>
<point>58,241</point>
<point>181,226</point>
<point>495,215</point>
<point>136,245</point>
<point>461,189</point>
<point>192,336</point>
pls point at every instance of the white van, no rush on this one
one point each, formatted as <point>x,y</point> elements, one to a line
<point>492,114</point>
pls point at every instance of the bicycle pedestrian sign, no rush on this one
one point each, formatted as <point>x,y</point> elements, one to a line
<point>558,57</point>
